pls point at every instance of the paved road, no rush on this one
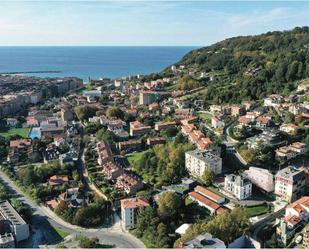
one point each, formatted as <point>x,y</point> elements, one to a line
<point>112,235</point>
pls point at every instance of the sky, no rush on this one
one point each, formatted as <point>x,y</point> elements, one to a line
<point>142,23</point>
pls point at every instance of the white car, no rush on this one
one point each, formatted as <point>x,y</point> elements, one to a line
<point>298,239</point>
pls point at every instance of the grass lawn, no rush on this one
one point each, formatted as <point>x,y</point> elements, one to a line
<point>257,210</point>
<point>23,132</point>
<point>135,157</point>
<point>206,117</point>
<point>61,233</point>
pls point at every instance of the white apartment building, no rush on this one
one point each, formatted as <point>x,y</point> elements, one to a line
<point>238,186</point>
<point>19,226</point>
<point>129,211</point>
<point>198,161</point>
<point>290,184</point>
<point>262,178</point>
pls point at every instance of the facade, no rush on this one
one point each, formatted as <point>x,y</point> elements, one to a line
<point>262,178</point>
<point>148,97</point>
<point>129,184</point>
<point>291,151</point>
<point>130,145</point>
<point>129,211</point>
<point>198,161</point>
<point>19,226</point>
<point>138,129</point>
<point>290,184</point>
<point>164,125</point>
<point>238,186</point>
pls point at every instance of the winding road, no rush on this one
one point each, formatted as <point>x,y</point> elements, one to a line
<point>113,235</point>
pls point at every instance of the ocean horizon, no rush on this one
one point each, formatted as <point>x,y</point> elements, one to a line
<point>89,61</point>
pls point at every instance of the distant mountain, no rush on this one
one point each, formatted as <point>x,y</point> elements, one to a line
<point>251,67</point>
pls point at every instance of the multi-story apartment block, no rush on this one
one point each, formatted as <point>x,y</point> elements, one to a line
<point>262,178</point>
<point>19,226</point>
<point>239,186</point>
<point>148,97</point>
<point>198,161</point>
<point>291,151</point>
<point>112,170</point>
<point>290,184</point>
<point>129,210</point>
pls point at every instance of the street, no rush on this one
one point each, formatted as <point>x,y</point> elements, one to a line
<point>113,235</point>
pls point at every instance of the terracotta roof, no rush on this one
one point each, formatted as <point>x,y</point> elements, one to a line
<point>209,203</point>
<point>207,193</point>
<point>20,143</point>
<point>134,203</point>
<point>292,219</point>
<point>244,120</point>
<point>300,204</point>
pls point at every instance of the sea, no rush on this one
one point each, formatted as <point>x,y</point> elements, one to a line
<point>89,62</point>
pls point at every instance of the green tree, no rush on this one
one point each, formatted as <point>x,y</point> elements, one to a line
<point>208,177</point>
<point>170,205</point>
<point>115,112</point>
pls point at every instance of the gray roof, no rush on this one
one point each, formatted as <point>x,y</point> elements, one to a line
<point>204,241</point>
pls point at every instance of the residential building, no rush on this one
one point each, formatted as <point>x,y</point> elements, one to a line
<point>203,241</point>
<point>291,151</point>
<point>129,184</point>
<point>19,226</point>
<point>306,237</point>
<point>7,240</point>
<point>198,161</point>
<point>237,110</point>
<point>104,152</point>
<point>148,97</point>
<point>297,211</point>
<point>289,128</point>
<point>67,115</point>
<point>112,170</point>
<point>217,122</point>
<point>290,184</point>
<point>151,141</point>
<point>262,178</point>
<point>164,125</point>
<point>238,186</point>
<point>273,100</point>
<point>130,145</point>
<point>12,122</point>
<point>92,94</point>
<point>129,210</point>
<point>138,129</point>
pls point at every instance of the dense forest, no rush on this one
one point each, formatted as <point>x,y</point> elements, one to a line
<point>251,67</point>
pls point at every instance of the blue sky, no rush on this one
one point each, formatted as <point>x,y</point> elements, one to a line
<point>143,22</point>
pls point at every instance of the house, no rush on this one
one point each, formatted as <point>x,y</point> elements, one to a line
<point>203,241</point>
<point>273,100</point>
<point>138,129</point>
<point>297,211</point>
<point>67,114</point>
<point>237,110</point>
<point>198,161</point>
<point>57,180</point>
<point>263,121</point>
<point>112,170</point>
<point>73,197</point>
<point>129,184</point>
<point>217,122</point>
<point>290,184</point>
<point>291,151</point>
<point>129,210</point>
<point>32,122</point>
<point>238,186</point>
<point>204,143</point>
<point>186,129</point>
<point>130,145</point>
<point>289,128</point>
<point>164,125</point>
<point>262,178</point>
<point>153,106</point>
<point>104,152</point>
<point>19,148</point>
<point>151,141</point>
<point>210,195</point>
<point>12,122</point>
<point>244,120</point>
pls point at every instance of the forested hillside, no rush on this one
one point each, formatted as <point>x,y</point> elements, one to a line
<point>251,67</point>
